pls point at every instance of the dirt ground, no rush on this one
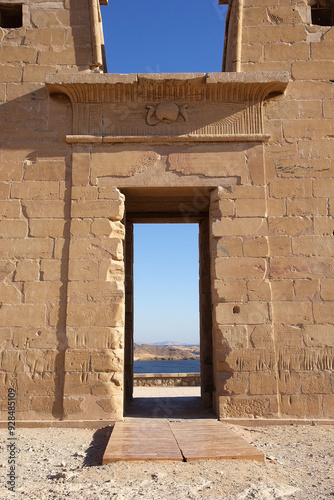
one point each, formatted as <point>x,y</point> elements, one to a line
<point>58,464</point>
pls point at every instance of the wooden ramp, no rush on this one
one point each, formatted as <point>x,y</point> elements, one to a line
<point>180,441</point>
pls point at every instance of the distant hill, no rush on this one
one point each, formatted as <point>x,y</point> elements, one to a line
<point>171,343</point>
<point>149,352</point>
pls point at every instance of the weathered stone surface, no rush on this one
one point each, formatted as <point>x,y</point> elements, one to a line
<point>248,152</point>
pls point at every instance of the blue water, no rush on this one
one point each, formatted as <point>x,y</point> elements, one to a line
<point>165,366</point>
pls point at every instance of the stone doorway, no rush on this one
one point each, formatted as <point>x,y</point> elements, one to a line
<point>170,205</point>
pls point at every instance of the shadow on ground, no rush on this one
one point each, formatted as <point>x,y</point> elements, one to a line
<point>168,407</point>
<point>96,449</point>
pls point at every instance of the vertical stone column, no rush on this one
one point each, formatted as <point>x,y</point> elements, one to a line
<point>95,307</point>
<point>205,314</point>
<point>243,345</point>
<point>128,347</point>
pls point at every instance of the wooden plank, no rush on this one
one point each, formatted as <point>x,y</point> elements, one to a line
<point>208,439</point>
<point>135,441</point>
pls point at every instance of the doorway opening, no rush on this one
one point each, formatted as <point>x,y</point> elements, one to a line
<point>164,208</point>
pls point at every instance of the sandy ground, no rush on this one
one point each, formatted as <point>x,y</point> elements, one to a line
<point>58,464</point>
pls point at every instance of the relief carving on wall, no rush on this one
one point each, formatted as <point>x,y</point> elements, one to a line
<point>166,112</point>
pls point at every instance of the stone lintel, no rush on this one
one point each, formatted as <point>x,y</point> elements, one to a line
<point>170,107</point>
<point>97,87</point>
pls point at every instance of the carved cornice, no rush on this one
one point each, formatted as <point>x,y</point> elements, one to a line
<point>167,107</point>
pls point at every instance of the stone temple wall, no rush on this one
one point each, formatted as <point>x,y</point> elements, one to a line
<point>248,154</point>
<point>288,243</point>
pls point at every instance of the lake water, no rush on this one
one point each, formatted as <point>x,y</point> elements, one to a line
<point>166,366</point>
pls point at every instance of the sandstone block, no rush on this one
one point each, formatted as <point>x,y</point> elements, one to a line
<point>123,163</point>
<point>282,290</point>
<point>256,247</point>
<point>47,405</point>
<point>307,289</point>
<point>83,269</point>
<point>318,335</point>
<point>4,190</point>
<point>13,228</point>
<point>107,361</point>
<point>262,383</point>
<point>301,70</point>
<point>235,384</point>
<point>289,336</point>
<point>106,227</point>
<point>111,405</point>
<point>323,225</point>
<point>51,270</point>
<point>99,208</point>
<point>306,206</point>
<point>100,293</point>
<point>252,313</point>
<point>10,209</point>
<point>247,267</point>
<point>84,193</point>
<point>328,405</point>
<point>6,269</point>
<point>292,312</point>
<point>259,290</point>
<point>38,338</point>
<point>26,270</point>
<point>45,171</point>
<point>11,361</point>
<point>73,405</point>
<point>277,207</point>
<point>103,384</point>
<point>77,383</point>
<point>323,312</point>
<point>313,245</point>
<point>292,226</point>
<point>227,337</point>
<point>291,188</point>
<point>40,190</point>
<point>299,51</point>
<point>96,248</point>
<point>323,189</point>
<point>44,291</point>
<point>327,289</point>
<point>52,228</point>
<point>229,247</point>
<point>95,338</point>
<point>315,383</point>
<point>39,361</point>
<point>301,406</point>
<point>45,209</point>
<point>231,290</point>
<point>233,407</point>
<point>288,383</point>
<point>22,315</point>
<point>262,336</point>
<point>279,246</point>
<point>38,384</point>
<point>89,315</point>
<point>77,360</point>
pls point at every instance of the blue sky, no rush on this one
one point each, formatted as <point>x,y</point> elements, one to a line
<point>174,36</point>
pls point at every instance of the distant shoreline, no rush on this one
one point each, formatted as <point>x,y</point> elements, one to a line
<point>148,352</point>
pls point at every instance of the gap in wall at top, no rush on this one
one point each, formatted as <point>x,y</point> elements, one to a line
<point>164,37</point>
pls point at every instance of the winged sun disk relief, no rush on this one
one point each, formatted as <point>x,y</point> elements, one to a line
<point>166,112</point>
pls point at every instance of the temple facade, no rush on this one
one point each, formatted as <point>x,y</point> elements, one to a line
<point>247,154</point>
